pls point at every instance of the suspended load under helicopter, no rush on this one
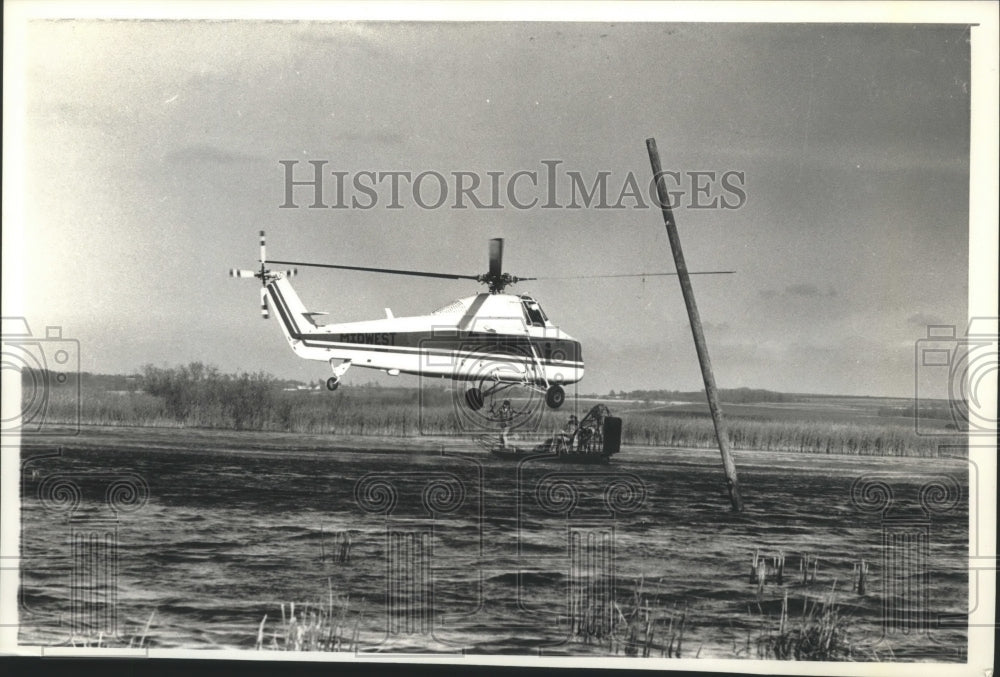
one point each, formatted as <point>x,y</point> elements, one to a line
<point>594,439</point>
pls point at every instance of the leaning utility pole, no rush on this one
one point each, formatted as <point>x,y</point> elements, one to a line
<point>732,483</point>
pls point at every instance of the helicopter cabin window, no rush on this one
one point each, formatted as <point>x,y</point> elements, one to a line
<point>533,312</point>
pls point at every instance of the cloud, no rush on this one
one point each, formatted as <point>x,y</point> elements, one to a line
<point>924,320</point>
<point>207,153</point>
<point>802,289</point>
<point>75,113</point>
<point>374,136</point>
<point>719,327</point>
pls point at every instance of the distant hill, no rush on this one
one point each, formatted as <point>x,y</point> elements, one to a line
<point>731,395</point>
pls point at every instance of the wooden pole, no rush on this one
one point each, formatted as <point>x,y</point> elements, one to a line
<point>732,483</point>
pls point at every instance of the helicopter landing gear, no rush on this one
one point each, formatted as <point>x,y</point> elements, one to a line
<point>474,399</point>
<point>339,370</point>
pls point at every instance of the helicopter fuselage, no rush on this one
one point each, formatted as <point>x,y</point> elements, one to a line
<point>497,337</point>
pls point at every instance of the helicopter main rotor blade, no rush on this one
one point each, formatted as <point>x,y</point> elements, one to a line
<point>391,271</point>
<point>496,258</point>
<point>591,277</point>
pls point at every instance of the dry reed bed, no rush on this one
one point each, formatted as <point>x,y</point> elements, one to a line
<point>198,396</point>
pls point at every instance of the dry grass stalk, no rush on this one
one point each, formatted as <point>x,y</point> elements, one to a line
<point>315,627</point>
<point>819,634</point>
<point>637,625</point>
<point>101,641</point>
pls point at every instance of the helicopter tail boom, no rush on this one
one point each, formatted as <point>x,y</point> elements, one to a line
<point>294,319</point>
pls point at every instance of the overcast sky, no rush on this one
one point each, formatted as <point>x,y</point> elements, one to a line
<point>153,151</point>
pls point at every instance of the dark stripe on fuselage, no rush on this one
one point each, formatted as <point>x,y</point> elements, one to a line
<point>550,352</point>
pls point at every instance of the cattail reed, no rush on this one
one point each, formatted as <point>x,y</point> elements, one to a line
<point>808,575</point>
<point>763,569</point>
<point>345,547</point>
<point>860,577</point>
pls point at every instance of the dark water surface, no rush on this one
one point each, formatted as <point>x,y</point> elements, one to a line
<point>456,551</point>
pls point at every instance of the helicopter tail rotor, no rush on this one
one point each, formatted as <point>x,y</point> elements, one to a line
<point>263,273</point>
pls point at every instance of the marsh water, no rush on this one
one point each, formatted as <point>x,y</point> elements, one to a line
<point>441,548</point>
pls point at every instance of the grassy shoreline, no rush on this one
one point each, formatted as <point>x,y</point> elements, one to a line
<point>197,396</point>
<point>384,413</point>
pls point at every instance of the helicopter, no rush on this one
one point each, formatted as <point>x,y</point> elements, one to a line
<point>492,340</point>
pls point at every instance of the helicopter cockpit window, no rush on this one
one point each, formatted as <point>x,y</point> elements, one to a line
<point>534,312</point>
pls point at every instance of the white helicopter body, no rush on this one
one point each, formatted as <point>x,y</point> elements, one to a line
<point>500,337</point>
